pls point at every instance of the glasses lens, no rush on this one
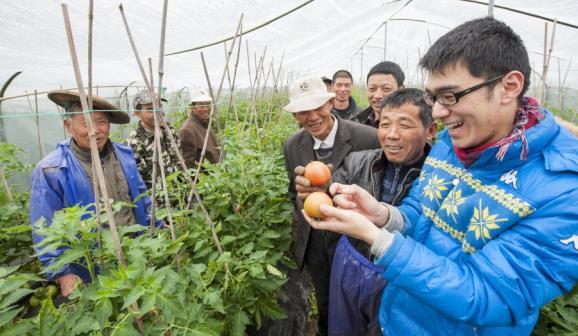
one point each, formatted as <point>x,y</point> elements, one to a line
<point>447,98</point>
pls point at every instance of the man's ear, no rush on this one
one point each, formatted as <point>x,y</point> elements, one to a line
<point>512,86</point>
<point>66,123</point>
<point>432,131</point>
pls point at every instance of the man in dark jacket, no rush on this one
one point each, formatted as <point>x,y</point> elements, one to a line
<point>405,132</point>
<point>194,129</point>
<point>344,105</point>
<point>383,79</point>
<point>323,137</point>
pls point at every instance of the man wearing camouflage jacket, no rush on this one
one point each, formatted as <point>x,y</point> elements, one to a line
<point>142,140</point>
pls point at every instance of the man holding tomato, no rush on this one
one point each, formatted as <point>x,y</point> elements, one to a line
<point>489,234</point>
<point>326,138</point>
<point>406,130</point>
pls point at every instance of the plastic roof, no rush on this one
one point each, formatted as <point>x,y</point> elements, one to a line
<point>319,38</point>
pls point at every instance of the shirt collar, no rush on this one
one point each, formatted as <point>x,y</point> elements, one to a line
<point>328,142</point>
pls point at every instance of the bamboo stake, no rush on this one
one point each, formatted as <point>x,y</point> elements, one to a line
<point>148,86</point>
<point>94,151</point>
<point>93,165</point>
<point>249,64</point>
<point>542,86</point>
<point>215,100</point>
<point>279,71</point>
<point>90,19</point>
<point>38,132</point>
<point>156,121</point>
<point>174,144</point>
<point>6,186</point>
<point>93,147</point>
<point>235,76</point>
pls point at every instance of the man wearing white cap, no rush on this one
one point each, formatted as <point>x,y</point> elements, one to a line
<point>64,178</point>
<point>141,140</point>
<point>194,129</point>
<point>327,138</point>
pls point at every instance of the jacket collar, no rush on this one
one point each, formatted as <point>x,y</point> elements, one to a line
<point>539,138</point>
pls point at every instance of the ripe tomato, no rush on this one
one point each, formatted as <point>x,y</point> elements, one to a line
<point>317,173</point>
<point>314,201</point>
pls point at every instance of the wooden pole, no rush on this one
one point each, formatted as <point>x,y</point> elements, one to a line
<point>93,147</point>
<point>173,142</point>
<point>38,131</point>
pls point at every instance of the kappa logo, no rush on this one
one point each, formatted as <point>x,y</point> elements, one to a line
<point>510,177</point>
<point>573,239</point>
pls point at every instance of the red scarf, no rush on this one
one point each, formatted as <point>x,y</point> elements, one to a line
<point>528,114</point>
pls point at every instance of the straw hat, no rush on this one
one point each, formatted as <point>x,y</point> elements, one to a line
<point>65,98</point>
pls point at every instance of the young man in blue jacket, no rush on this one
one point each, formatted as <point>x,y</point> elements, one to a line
<point>489,233</point>
<point>64,177</point>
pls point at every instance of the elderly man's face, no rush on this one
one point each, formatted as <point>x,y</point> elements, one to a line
<point>77,128</point>
<point>202,110</point>
<point>317,122</point>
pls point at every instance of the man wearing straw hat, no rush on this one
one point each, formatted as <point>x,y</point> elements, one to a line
<point>194,129</point>
<point>327,138</point>
<point>64,177</point>
<point>141,140</point>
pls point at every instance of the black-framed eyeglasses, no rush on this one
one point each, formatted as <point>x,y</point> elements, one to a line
<point>451,98</point>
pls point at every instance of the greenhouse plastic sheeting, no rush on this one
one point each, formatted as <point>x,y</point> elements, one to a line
<point>319,38</point>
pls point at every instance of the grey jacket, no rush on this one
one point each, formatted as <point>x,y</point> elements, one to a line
<point>366,169</point>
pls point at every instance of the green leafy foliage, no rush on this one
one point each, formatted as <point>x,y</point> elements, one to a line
<point>559,317</point>
<point>15,231</point>
<point>210,293</point>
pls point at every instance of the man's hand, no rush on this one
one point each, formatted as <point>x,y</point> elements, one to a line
<point>353,197</point>
<point>67,283</point>
<point>347,222</point>
<point>303,185</point>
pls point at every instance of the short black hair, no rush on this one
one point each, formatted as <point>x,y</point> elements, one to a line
<point>342,74</point>
<point>410,96</point>
<point>486,47</point>
<point>388,68</point>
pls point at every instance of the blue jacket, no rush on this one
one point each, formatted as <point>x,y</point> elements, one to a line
<point>58,182</point>
<point>485,247</point>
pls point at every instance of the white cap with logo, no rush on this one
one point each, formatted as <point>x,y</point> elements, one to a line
<point>200,96</point>
<point>306,94</point>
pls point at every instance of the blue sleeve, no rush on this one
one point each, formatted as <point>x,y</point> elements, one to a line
<point>511,277</point>
<point>44,201</point>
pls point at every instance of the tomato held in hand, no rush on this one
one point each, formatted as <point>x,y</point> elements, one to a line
<point>314,201</point>
<point>317,173</point>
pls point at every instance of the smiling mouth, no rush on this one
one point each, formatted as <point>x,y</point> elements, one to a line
<point>454,125</point>
<point>316,125</point>
<point>393,148</point>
